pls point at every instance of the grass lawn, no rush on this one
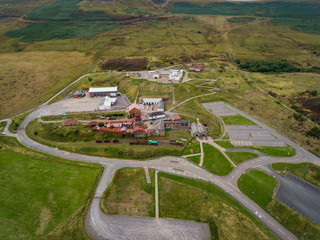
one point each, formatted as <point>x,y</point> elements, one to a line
<point>215,162</point>
<point>237,120</point>
<point>193,147</point>
<point>306,171</point>
<point>195,159</point>
<point>258,186</point>
<point>287,151</point>
<point>262,185</point>
<point>130,194</point>
<point>43,197</point>
<point>239,157</point>
<point>2,126</point>
<point>184,198</point>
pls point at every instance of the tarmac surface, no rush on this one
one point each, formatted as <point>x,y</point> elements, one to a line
<point>300,196</point>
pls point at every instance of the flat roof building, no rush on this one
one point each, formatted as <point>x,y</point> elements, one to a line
<point>103,91</point>
<point>156,115</point>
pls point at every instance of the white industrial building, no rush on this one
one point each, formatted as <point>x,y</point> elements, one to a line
<point>103,91</point>
<point>166,76</point>
<point>107,103</point>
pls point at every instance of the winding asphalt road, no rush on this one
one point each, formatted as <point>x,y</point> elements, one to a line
<point>101,226</point>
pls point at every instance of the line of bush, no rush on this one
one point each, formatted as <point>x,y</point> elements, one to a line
<point>270,66</point>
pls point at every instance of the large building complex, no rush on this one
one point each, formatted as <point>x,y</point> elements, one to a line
<point>166,76</point>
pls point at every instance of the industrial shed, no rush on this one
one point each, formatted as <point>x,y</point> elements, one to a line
<point>198,130</point>
<point>177,125</point>
<point>103,91</point>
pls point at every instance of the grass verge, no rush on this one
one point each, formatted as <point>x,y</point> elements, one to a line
<point>2,126</point>
<point>215,162</point>
<point>195,159</point>
<point>16,122</point>
<point>239,157</point>
<point>306,171</point>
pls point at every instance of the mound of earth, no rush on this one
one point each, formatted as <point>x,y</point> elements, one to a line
<point>130,64</point>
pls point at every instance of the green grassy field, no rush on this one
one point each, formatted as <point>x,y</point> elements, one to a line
<point>239,157</point>
<point>258,186</point>
<point>130,194</point>
<point>215,162</point>
<point>195,159</point>
<point>193,147</point>
<point>185,198</point>
<point>237,120</point>
<point>306,171</point>
<point>287,151</point>
<point>43,196</point>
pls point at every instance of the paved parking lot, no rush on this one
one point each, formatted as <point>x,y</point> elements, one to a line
<point>245,135</point>
<point>299,195</point>
<point>220,108</point>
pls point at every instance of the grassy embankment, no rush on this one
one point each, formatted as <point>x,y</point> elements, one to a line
<point>215,162</point>
<point>43,196</point>
<point>82,140</point>
<point>259,186</point>
<point>306,171</point>
<point>130,194</point>
<point>189,199</point>
<point>16,122</point>
<point>2,126</point>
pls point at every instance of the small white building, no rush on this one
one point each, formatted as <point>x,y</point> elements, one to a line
<point>107,103</point>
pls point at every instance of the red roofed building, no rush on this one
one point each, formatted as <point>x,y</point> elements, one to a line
<point>175,118</point>
<point>134,110</point>
<point>199,66</point>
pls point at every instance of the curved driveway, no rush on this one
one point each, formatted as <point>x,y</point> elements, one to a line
<point>101,227</point>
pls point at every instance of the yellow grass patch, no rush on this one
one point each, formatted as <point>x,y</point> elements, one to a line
<point>30,78</point>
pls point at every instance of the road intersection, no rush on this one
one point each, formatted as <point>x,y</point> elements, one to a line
<point>101,226</point>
